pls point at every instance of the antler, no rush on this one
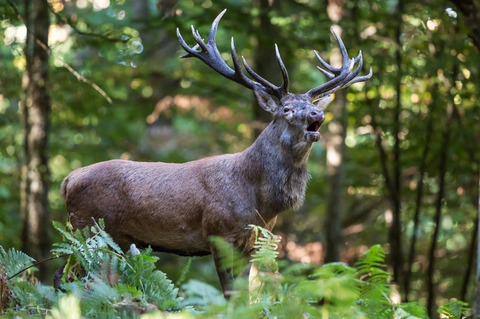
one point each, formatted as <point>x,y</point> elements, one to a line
<point>209,54</point>
<point>340,78</point>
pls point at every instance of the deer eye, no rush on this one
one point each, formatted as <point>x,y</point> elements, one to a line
<point>287,109</point>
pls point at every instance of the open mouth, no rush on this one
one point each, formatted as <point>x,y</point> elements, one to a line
<point>313,127</point>
<point>311,132</point>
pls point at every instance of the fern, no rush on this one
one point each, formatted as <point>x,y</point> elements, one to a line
<point>266,249</point>
<point>154,284</point>
<point>201,294</point>
<point>14,261</point>
<point>107,279</point>
<point>375,289</point>
<point>454,309</point>
<point>110,284</point>
<point>30,296</point>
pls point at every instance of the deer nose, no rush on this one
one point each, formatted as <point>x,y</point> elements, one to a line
<point>316,116</point>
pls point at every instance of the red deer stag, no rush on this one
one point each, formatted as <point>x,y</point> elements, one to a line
<point>176,207</point>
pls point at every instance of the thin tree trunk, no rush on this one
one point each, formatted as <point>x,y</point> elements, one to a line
<point>141,14</point>
<point>26,101</point>
<point>418,203</point>
<point>438,212</point>
<point>38,121</point>
<point>265,62</point>
<point>476,312</point>
<point>336,172</point>
<point>471,255</point>
<point>396,253</point>
<point>470,11</point>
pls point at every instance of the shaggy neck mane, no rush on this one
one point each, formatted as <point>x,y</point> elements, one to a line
<point>279,172</point>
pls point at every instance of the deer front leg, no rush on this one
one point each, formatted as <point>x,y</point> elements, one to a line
<point>224,274</point>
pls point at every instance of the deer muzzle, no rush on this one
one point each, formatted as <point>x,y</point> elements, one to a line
<point>315,119</point>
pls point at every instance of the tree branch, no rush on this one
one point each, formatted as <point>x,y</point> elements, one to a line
<point>64,64</point>
<point>74,27</point>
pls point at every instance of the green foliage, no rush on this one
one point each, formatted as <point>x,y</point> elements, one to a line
<point>438,74</point>
<point>265,249</point>
<point>454,309</point>
<point>118,285</point>
<point>13,261</point>
<point>109,280</point>
<point>333,290</point>
<point>230,258</point>
<point>198,293</point>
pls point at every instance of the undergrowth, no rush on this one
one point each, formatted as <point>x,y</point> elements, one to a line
<point>104,282</point>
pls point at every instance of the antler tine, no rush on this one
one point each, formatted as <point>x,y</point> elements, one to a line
<point>326,65</point>
<point>359,79</point>
<point>271,89</point>
<point>343,50</point>
<point>198,38</point>
<point>341,78</point>
<point>326,87</point>
<point>190,51</point>
<point>286,81</point>
<point>328,74</point>
<point>236,64</point>
<point>213,29</point>
<point>357,70</point>
<point>210,55</point>
<point>345,57</point>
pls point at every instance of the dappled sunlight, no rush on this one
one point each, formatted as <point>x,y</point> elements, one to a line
<point>310,253</point>
<point>202,107</point>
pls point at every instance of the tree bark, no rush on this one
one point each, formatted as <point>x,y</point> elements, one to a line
<point>470,12</point>
<point>438,212</point>
<point>336,176</point>
<point>396,253</point>
<point>25,102</point>
<point>419,198</point>
<point>266,64</point>
<point>476,312</point>
<point>141,15</point>
<point>471,255</point>
<point>38,175</point>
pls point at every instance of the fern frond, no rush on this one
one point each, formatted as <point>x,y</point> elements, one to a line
<point>454,309</point>
<point>14,261</point>
<point>265,249</point>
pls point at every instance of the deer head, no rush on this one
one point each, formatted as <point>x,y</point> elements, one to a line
<point>297,117</point>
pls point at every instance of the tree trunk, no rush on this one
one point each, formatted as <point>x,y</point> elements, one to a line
<point>37,124</point>
<point>471,256</point>
<point>266,64</point>
<point>470,11</point>
<point>396,253</point>
<point>476,312</point>
<point>141,15</point>
<point>24,105</point>
<point>336,176</point>
<point>438,212</point>
<point>419,198</point>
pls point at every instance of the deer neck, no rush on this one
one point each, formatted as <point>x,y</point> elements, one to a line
<point>278,171</point>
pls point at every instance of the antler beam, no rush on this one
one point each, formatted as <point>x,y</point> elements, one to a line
<point>210,55</point>
<point>339,78</point>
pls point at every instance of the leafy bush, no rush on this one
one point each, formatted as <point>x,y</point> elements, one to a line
<point>104,282</point>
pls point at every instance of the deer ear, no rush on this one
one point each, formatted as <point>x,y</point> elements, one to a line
<point>266,101</point>
<point>323,102</point>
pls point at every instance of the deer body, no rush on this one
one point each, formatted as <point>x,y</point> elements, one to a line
<point>187,203</point>
<point>178,207</point>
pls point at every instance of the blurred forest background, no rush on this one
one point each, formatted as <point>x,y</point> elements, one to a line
<point>398,163</point>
